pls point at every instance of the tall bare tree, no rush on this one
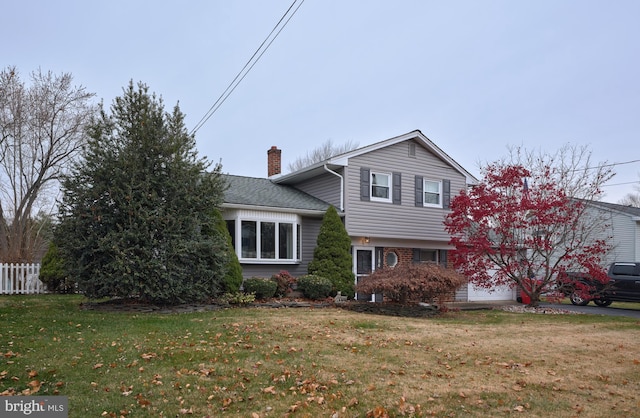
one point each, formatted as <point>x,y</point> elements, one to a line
<point>632,199</point>
<point>321,153</point>
<point>41,131</point>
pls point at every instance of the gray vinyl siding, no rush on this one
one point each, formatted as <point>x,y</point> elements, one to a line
<point>637,240</point>
<point>403,221</point>
<point>618,229</point>
<point>268,270</point>
<point>462,294</point>
<point>310,229</point>
<point>623,231</point>
<point>325,187</point>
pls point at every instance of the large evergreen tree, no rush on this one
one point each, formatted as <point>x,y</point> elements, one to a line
<point>332,256</point>
<point>135,219</point>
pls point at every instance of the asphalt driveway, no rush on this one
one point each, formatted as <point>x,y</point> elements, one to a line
<point>611,310</point>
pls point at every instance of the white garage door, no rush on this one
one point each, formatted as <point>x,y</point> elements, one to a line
<point>478,294</point>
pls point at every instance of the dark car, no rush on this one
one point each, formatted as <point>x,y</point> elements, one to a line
<point>623,285</point>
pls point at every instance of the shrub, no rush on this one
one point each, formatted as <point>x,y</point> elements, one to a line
<point>283,280</point>
<point>52,272</point>
<point>315,287</point>
<point>412,282</point>
<point>262,288</point>
<point>238,298</point>
<point>332,255</point>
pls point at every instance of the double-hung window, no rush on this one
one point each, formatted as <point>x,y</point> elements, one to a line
<point>381,186</point>
<point>432,193</point>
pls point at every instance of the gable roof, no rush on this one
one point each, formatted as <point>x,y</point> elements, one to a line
<point>632,211</point>
<point>342,160</point>
<point>258,193</point>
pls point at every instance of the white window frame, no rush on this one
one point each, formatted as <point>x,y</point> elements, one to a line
<point>267,217</point>
<point>389,177</point>
<point>424,192</point>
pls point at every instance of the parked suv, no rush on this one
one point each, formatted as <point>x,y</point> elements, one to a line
<point>623,285</point>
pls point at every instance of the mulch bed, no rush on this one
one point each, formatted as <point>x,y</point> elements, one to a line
<point>391,309</point>
<point>133,306</point>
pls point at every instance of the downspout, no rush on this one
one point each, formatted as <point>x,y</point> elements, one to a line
<point>341,186</point>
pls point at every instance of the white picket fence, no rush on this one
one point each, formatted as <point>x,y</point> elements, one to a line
<point>20,279</point>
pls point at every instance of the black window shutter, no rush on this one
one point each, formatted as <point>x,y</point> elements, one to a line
<point>416,255</point>
<point>365,187</point>
<point>446,193</point>
<point>419,191</point>
<point>397,192</point>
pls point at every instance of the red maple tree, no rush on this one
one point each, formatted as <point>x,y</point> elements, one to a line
<point>519,228</point>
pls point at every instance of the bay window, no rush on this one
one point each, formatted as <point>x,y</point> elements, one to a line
<point>273,238</point>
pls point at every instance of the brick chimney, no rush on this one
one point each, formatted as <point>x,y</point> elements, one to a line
<point>274,161</point>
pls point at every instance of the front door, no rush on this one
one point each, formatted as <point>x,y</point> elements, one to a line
<point>364,266</point>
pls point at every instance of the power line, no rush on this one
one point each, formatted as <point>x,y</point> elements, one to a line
<point>249,65</point>
<point>604,165</point>
<point>621,184</point>
<point>622,163</point>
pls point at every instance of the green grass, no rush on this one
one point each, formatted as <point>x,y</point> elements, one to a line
<point>254,362</point>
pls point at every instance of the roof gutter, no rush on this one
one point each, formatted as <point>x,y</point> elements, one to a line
<point>341,186</point>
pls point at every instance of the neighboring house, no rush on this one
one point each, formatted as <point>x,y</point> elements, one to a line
<point>393,196</point>
<point>623,230</point>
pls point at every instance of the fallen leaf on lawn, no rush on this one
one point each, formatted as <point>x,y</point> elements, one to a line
<point>33,374</point>
<point>378,412</point>
<point>148,356</point>
<point>97,366</point>
<point>519,408</point>
<point>270,389</point>
<point>142,401</point>
<point>34,385</point>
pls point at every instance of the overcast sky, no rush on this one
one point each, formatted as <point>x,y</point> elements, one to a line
<point>474,76</point>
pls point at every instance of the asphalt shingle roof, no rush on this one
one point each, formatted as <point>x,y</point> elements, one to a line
<point>263,192</point>
<point>629,210</point>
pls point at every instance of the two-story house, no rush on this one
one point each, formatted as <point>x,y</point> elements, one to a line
<point>393,196</point>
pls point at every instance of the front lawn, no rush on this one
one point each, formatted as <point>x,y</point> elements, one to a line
<point>265,362</point>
